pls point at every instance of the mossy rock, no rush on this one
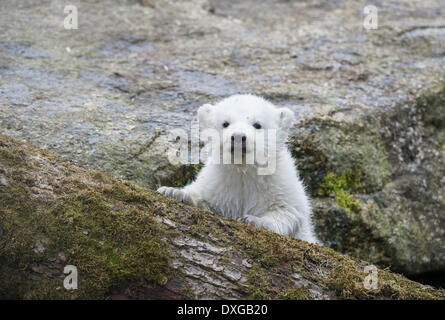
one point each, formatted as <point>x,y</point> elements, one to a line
<point>377,183</point>
<point>324,146</point>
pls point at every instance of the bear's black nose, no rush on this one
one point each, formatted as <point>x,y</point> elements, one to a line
<point>238,136</point>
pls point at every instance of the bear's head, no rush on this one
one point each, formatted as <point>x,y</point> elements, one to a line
<point>241,119</point>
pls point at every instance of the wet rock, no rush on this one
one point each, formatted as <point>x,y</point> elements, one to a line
<point>110,83</point>
<point>23,50</point>
<point>205,84</point>
<point>126,46</point>
<point>16,94</point>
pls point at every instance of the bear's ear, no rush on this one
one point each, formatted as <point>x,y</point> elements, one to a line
<point>286,118</point>
<point>204,115</point>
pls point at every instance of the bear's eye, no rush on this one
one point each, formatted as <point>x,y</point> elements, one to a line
<point>225,124</point>
<point>256,125</point>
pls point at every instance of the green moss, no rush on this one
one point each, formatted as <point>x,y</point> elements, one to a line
<point>340,187</point>
<point>181,175</point>
<point>259,284</point>
<point>335,273</point>
<point>347,281</point>
<point>432,107</point>
<point>188,293</point>
<point>294,294</point>
<point>9,158</point>
<point>104,230</point>
<point>99,176</point>
<point>126,193</point>
<point>348,181</point>
<point>123,242</point>
<point>16,239</point>
<point>310,160</point>
<point>12,283</point>
<point>347,202</point>
<point>108,247</point>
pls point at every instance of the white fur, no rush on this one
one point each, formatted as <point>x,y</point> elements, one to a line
<point>276,202</point>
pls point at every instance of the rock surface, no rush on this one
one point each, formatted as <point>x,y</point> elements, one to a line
<point>129,243</point>
<point>370,142</point>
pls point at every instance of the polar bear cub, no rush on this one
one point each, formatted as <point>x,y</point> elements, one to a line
<point>275,201</point>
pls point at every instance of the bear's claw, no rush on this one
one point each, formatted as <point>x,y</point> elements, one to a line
<point>174,193</point>
<point>252,221</point>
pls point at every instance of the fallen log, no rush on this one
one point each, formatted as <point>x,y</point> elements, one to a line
<point>125,242</point>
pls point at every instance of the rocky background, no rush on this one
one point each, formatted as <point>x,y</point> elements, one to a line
<point>370,137</point>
